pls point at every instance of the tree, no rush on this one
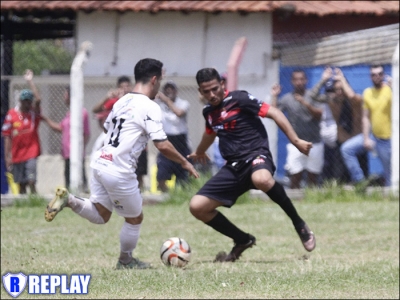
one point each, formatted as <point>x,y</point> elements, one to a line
<point>41,56</point>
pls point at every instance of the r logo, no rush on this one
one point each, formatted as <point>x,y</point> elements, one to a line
<point>14,284</point>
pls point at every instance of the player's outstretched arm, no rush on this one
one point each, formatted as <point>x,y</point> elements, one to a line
<point>53,125</point>
<point>28,76</point>
<point>169,151</point>
<point>283,123</point>
<point>200,154</point>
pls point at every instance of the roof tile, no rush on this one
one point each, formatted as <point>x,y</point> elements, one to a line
<point>320,8</point>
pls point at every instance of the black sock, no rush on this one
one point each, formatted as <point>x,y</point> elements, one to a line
<point>221,224</point>
<point>278,194</point>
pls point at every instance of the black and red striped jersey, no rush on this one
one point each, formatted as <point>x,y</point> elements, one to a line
<point>236,121</point>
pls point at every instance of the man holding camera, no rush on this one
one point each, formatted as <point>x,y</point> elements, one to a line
<point>345,107</point>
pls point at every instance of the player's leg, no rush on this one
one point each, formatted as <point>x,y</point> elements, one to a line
<point>263,180</point>
<point>126,200</point>
<point>97,209</point>
<point>222,189</point>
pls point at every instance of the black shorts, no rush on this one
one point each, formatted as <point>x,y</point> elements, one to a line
<point>142,164</point>
<point>234,179</point>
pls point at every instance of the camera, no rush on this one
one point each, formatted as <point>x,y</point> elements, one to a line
<point>329,85</point>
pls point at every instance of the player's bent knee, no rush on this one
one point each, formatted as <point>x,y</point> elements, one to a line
<point>135,221</point>
<point>263,180</point>
<point>197,206</point>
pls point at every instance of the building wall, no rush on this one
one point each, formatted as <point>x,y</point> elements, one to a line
<point>184,42</point>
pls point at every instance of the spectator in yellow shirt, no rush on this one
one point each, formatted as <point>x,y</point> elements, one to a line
<point>376,129</point>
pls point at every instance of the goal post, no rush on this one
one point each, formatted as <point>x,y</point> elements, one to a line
<point>395,121</point>
<point>76,107</point>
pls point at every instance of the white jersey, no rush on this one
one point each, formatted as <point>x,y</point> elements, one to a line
<point>133,120</point>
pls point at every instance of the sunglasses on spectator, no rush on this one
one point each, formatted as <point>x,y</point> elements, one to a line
<point>377,74</point>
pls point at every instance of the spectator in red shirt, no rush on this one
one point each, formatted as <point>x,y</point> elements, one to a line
<point>21,138</point>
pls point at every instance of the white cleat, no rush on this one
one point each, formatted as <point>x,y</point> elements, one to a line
<point>57,204</point>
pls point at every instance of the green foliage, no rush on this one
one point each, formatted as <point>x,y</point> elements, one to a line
<point>32,200</point>
<point>333,192</point>
<point>330,192</point>
<point>41,55</point>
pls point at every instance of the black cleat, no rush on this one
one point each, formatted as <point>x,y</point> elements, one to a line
<point>236,251</point>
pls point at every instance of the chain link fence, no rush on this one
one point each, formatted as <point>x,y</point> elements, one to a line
<point>51,88</point>
<point>352,52</point>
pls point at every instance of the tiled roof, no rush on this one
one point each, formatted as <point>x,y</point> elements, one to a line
<point>320,8</point>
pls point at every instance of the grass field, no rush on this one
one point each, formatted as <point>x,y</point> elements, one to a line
<point>357,254</point>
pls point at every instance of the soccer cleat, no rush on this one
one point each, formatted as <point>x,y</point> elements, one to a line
<point>134,264</point>
<point>307,237</point>
<point>236,251</point>
<point>56,205</point>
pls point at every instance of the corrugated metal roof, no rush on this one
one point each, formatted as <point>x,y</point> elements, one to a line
<point>375,45</point>
<point>320,8</point>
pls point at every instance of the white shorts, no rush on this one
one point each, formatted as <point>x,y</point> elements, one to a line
<point>119,193</point>
<point>297,161</point>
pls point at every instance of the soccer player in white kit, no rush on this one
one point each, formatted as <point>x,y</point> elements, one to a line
<point>134,119</point>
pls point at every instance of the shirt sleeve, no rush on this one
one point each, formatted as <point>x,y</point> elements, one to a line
<point>185,106</point>
<point>209,129</point>
<point>153,124</point>
<point>251,104</point>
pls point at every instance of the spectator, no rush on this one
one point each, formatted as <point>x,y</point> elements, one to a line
<point>376,130</point>
<point>103,108</point>
<point>344,107</point>
<point>174,110</point>
<point>304,115</point>
<point>64,128</point>
<point>21,138</point>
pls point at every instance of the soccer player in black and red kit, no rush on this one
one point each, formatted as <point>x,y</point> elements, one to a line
<point>243,142</point>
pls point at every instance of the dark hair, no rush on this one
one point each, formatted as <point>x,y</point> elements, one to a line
<point>147,68</point>
<point>170,84</point>
<point>207,74</point>
<point>299,71</point>
<point>122,79</point>
<point>68,89</point>
<point>376,66</point>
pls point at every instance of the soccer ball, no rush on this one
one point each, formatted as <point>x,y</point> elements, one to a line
<point>175,252</point>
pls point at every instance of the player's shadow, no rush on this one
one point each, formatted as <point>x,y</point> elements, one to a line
<point>240,262</point>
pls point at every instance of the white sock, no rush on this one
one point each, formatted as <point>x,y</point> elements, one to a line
<point>85,208</point>
<point>128,239</point>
